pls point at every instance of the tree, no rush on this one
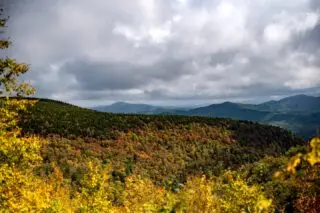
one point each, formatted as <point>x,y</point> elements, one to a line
<point>20,190</point>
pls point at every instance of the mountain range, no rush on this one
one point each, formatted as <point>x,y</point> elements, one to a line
<point>132,108</point>
<point>300,113</point>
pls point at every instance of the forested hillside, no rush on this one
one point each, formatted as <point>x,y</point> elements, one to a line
<point>299,113</point>
<point>168,149</point>
<point>195,144</point>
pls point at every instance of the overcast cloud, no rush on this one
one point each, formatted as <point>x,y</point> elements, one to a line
<point>169,51</point>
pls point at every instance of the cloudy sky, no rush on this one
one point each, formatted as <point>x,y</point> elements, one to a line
<point>168,52</point>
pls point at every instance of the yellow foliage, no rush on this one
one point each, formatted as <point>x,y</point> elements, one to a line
<point>19,190</point>
<point>141,195</point>
<point>293,163</point>
<point>95,192</point>
<point>198,196</point>
<point>314,156</point>
<point>236,196</point>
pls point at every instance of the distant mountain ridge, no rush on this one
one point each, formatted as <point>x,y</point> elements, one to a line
<point>132,108</point>
<point>292,104</point>
<point>297,103</point>
<point>123,107</point>
<point>228,110</point>
<point>300,113</point>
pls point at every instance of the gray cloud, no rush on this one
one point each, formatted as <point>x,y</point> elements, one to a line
<point>150,50</point>
<point>97,76</point>
<point>313,38</point>
<point>315,4</point>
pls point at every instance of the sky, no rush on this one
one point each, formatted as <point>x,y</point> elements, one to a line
<point>167,52</point>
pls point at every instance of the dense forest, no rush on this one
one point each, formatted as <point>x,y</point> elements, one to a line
<point>299,113</point>
<point>190,164</point>
<point>55,157</point>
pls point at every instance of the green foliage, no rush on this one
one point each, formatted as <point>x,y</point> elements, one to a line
<point>51,117</point>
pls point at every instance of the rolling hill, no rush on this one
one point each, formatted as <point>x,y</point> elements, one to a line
<point>129,136</point>
<point>166,149</point>
<point>123,107</point>
<point>298,103</point>
<point>298,113</point>
<point>48,115</point>
<point>228,110</point>
<point>132,108</point>
<point>292,104</point>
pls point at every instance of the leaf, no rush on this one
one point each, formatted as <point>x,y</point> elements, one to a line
<point>314,156</point>
<point>293,163</point>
